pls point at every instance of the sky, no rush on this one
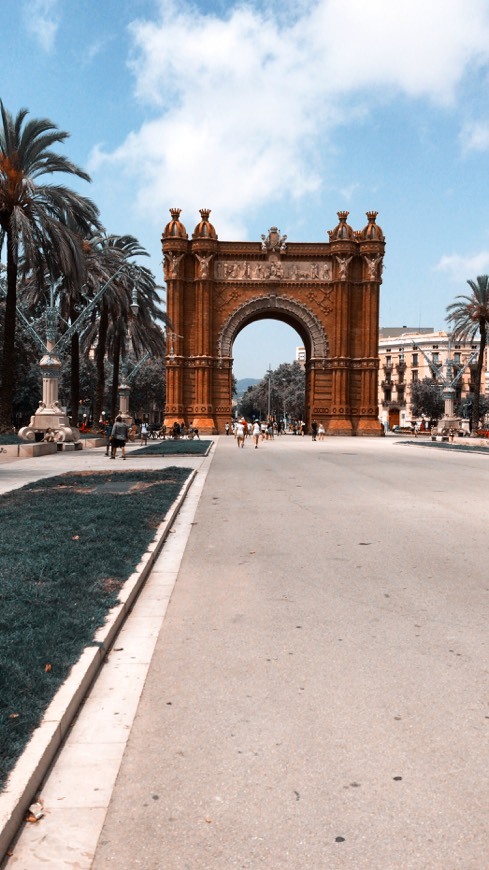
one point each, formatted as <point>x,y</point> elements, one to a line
<point>274,114</point>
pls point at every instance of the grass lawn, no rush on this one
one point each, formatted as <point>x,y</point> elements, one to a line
<point>172,448</point>
<point>67,546</point>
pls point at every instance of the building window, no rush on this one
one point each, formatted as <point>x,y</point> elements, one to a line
<point>415,359</point>
<point>414,374</point>
<point>388,360</point>
<point>457,358</point>
<point>436,358</point>
<point>387,395</point>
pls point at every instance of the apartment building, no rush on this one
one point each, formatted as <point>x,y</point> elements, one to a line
<point>401,363</point>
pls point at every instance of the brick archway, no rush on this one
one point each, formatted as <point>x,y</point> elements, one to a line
<point>328,292</point>
<point>278,307</point>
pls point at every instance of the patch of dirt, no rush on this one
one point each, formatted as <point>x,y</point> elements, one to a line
<point>111,584</point>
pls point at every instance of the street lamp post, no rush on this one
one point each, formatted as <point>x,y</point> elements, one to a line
<point>269,388</point>
<point>448,382</point>
<point>124,389</point>
<point>49,414</point>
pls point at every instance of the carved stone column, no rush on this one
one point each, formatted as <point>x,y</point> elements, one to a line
<point>372,248</point>
<point>204,246</point>
<point>175,245</point>
<point>343,250</point>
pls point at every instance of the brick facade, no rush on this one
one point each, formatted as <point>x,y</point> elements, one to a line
<point>328,292</point>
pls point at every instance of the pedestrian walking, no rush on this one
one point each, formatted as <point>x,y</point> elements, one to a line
<point>144,433</point>
<point>314,429</point>
<point>240,435</point>
<point>256,433</point>
<point>321,432</point>
<point>118,437</point>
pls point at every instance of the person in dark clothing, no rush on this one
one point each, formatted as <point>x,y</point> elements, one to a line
<point>118,438</point>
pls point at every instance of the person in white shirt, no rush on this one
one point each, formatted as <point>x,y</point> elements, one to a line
<point>256,433</point>
<point>240,434</point>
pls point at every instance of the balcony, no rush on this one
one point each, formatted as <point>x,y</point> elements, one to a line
<point>393,403</point>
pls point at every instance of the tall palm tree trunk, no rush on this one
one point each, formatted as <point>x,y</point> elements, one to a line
<point>477,386</point>
<point>100,363</point>
<point>8,355</point>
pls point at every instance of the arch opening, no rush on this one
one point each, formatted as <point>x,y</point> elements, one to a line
<point>264,343</point>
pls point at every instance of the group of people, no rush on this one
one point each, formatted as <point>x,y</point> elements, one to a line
<point>119,433</point>
<point>266,430</point>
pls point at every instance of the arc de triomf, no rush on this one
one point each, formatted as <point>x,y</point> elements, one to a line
<point>327,291</point>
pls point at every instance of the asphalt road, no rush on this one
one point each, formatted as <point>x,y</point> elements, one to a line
<point>319,696</point>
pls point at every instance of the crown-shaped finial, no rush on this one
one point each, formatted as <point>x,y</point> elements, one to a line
<point>204,213</point>
<point>343,215</point>
<point>372,215</point>
<point>175,213</point>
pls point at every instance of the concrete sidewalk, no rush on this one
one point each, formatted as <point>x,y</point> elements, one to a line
<point>317,696</point>
<point>123,673</point>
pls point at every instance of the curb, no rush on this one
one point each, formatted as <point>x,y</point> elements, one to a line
<point>31,768</point>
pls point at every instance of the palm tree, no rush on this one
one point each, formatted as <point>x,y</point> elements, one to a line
<point>34,219</point>
<point>139,334</point>
<point>72,297</point>
<point>469,315</point>
<point>115,303</point>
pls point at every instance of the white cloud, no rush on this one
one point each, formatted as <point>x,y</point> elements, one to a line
<point>348,191</point>
<point>42,18</point>
<point>460,268</point>
<point>245,105</point>
<point>474,136</point>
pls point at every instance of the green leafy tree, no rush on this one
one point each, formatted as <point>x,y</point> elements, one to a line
<point>469,316</point>
<point>286,388</point>
<point>34,220</point>
<point>148,391</point>
<point>426,399</point>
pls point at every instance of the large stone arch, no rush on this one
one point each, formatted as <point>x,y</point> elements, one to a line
<point>277,306</point>
<point>327,291</point>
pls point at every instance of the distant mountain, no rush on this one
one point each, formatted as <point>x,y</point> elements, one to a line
<point>243,384</point>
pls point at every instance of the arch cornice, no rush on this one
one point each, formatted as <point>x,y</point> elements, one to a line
<point>268,305</point>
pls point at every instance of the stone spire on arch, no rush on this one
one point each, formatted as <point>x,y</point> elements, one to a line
<point>175,228</point>
<point>204,229</point>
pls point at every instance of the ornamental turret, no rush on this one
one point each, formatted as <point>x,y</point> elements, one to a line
<point>343,231</point>
<point>372,232</point>
<point>204,229</point>
<point>175,228</point>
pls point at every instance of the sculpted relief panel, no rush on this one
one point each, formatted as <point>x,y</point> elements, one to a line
<point>243,270</point>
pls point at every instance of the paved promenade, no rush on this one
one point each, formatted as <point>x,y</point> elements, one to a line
<point>318,693</point>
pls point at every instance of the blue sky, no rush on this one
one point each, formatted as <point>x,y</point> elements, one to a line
<point>275,114</point>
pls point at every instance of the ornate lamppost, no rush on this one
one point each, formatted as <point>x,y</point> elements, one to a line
<point>49,414</point>
<point>448,381</point>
